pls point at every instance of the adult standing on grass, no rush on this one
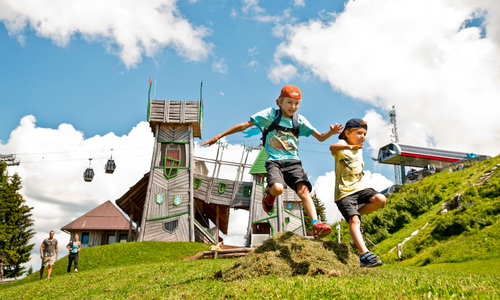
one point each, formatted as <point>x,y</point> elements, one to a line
<point>281,129</point>
<point>349,189</point>
<point>48,253</point>
<point>74,249</point>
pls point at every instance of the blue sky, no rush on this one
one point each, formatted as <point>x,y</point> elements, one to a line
<point>74,80</point>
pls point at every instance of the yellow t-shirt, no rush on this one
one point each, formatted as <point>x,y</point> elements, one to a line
<point>348,172</point>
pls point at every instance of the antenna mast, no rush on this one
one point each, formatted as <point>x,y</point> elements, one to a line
<point>395,139</point>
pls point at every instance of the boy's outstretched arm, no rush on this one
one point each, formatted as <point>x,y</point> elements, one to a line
<point>234,129</point>
<point>336,147</point>
<point>326,135</point>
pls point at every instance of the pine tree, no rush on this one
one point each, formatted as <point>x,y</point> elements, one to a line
<point>15,226</point>
<point>320,211</point>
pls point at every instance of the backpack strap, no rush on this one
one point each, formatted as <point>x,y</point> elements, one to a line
<point>275,125</point>
<point>295,124</point>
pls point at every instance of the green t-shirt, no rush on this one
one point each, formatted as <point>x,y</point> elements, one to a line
<point>282,145</point>
<point>348,172</point>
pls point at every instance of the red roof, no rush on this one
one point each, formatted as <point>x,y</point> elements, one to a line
<point>104,217</point>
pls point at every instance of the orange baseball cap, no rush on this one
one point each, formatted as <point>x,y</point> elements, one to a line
<point>290,91</point>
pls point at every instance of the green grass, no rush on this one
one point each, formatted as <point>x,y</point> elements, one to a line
<point>490,266</point>
<point>154,270</point>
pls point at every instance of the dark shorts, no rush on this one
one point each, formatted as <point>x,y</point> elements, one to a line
<point>287,172</point>
<point>348,205</point>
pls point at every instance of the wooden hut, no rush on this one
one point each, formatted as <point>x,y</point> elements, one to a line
<point>103,225</point>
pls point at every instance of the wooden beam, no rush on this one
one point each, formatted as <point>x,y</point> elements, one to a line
<point>150,183</point>
<point>217,223</point>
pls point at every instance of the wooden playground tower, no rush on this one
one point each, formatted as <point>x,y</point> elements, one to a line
<point>179,201</point>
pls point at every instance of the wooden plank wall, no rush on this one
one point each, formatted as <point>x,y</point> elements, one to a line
<point>182,112</point>
<point>218,198</point>
<point>296,216</point>
<point>241,201</point>
<point>169,187</point>
<point>290,195</point>
<point>154,230</point>
<point>201,236</point>
<point>178,133</point>
<point>257,212</point>
<point>169,111</point>
<point>201,192</point>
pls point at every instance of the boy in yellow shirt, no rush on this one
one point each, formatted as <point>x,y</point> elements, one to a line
<point>349,189</point>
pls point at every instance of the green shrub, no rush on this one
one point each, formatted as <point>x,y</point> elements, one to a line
<point>448,225</point>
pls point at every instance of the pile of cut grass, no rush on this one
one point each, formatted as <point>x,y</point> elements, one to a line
<point>287,254</point>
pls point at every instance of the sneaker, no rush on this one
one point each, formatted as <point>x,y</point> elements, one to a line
<point>321,230</point>
<point>76,270</point>
<point>369,260</point>
<point>268,202</point>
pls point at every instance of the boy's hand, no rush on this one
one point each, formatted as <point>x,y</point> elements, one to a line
<point>356,147</point>
<point>336,129</point>
<point>211,141</point>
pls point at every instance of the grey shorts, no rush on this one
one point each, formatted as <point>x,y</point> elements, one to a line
<point>289,172</point>
<point>48,260</point>
<point>348,205</point>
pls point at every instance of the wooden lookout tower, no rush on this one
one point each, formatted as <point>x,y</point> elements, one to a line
<point>168,213</point>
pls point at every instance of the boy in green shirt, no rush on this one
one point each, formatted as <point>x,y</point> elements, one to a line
<point>349,189</point>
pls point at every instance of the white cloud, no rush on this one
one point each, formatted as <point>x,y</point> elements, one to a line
<point>282,73</point>
<point>233,14</point>
<point>219,66</point>
<point>128,28</point>
<point>253,51</point>
<point>443,77</point>
<point>376,181</point>
<point>254,65</point>
<point>299,3</point>
<point>252,6</point>
<point>379,132</point>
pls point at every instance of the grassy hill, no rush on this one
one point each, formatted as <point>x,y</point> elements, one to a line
<point>455,254</point>
<point>468,230</point>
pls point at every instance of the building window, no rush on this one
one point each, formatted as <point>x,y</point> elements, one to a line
<point>85,238</point>
<point>123,238</point>
<point>173,155</point>
<point>111,238</point>
<point>171,226</point>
